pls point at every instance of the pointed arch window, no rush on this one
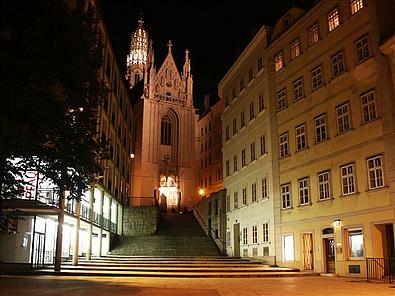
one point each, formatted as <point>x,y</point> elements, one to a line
<point>165,131</point>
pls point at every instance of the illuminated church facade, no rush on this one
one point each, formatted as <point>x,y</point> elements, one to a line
<point>164,165</point>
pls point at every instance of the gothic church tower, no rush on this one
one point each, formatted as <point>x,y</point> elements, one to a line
<point>164,166</point>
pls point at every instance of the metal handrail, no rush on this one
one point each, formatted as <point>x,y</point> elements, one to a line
<point>380,269</point>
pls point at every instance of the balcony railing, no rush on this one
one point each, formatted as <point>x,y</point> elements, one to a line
<point>380,269</point>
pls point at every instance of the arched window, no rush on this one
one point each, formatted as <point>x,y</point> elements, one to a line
<point>136,78</point>
<point>165,131</point>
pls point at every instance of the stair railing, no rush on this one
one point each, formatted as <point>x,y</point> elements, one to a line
<point>380,269</point>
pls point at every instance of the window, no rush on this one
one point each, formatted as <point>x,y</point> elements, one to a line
<point>253,192</point>
<point>242,119</point>
<point>279,61</point>
<point>284,149</point>
<point>261,103</point>
<point>313,35</point>
<point>250,74</point>
<point>298,89</point>
<point>369,109</point>
<point>260,64</point>
<point>234,125</point>
<point>245,236</point>
<point>282,99</point>
<point>348,179</point>
<point>244,195</point>
<point>362,49</point>
<point>338,66</point>
<point>343,118</point>
<point>320,128</point>
<point>375,172</point>
<point>252,151</point>
<point>235,200</point>
<point>333,19</point>
<point>227,133</point>
<point>295,48</point>
<point>265,232</point>
<point>355,242</point>
<point>233,93</point>
<point>254,234</point>
<point>243,157</point>
<point>165,128</point>
<point>324,191</point>
<point>265,193</point>
<point>241,84</point>
<point>356,5</point>
<point>252,111</point>
<point>227,168</point>
<point>301,140</point>
<point>235,163</point>
<point>317,79</point>
<point>304,192</point>
<point>286,196</point>
<point>263,145</point>
<point>288,247</point>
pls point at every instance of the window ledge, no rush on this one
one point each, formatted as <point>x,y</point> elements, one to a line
<point>377,189</point>
<point>345,132</point>
<point>325,200</point>
<point>305,205</point>
<point>285,157</point>
<point>350,195</point>
<point>378,118</point>
<point>287,209</point>
<point>323,141</point>
<point>301,150</point>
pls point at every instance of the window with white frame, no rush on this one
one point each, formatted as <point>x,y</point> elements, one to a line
<point>356,5</point>
<point>348,179</point>
<point>313,35</point>
<point>254,234</point>
<point>252,111</point>
<point>343,118</point>
<point>265,192</point>
<point>243,157</point>
<point>375,172</point>
<point>362,51</point>
<point>295,48</point>
<point>369,108</point>
<point>282,99</point>
<point>263,144</point>
<point>320,128</point>
<point>317,79</point>
<point>242,119</point>
<point>227,202</point>
<point>301,139</point>
<point>259,64</point>
<point>253,192</point>
<point>235,200</point>
<point>265,232</point>
<point>298,89</point>
<point>288,247</point>
<point>279,61</point>
<point>261,102</point>
<point>244,196</point>
<point>286,196</point>
<point>227,168</point>
<point>235,163</point>
<point>324,188</point>
<point>284,148</point>
<point>333,19</point>
<point>304,191</point>
<point>245,235</point>
<point>338,66</point>
<point>252,151</point>
<point>234,124</point>
<point>355,242</point>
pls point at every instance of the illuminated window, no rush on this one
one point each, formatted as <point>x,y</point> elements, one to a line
<point>295,48</point>
<point>265,192</point>
<point>282,99</point>
<point>252,151</point>
<point>243,157</point>
<point>165,138</point>
<point>279,61</point>
<point>362,49</point>
<point>254,234</point>
<point>252,111</point>
<point>263,145</point>
<point>284,148</point>
<point>298,89</point>
<point>338,65</point>
<point>235,200</point>
<point>317,79</point>
<point>375,172</point>
<point>265,232</point>
<point>261,103</point>
<point>348,179</point>
<point>313,35</point>
<point>356,5</point>
<point>343,118</point>
<point>286,196</point>
<point>253,192</point>
<point>242,119</point>
<point>244,195</point>
<point>333,19</point>
<point>235,163</point>
<point>234,125</point>
<point>245,236</point>
<point>227,133</point>
<point>288,247</point>
<point>324,191</point>
<point>304,191</point>
<point>369,108</point>
<point>355,242</point>
<point>227,168</point>
<point>301,139</point>
<point>320,128</point>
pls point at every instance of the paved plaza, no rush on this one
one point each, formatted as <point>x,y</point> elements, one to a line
<point>105,286</point>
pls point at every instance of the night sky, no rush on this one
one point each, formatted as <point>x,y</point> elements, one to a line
<point>215,32</point>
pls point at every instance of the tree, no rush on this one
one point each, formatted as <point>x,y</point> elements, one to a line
<point>49,68</point>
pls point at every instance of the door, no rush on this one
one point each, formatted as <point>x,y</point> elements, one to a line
<point>308,258</point>
<point>236,240</point>
<point>39,249</point>
<point>329,255</point>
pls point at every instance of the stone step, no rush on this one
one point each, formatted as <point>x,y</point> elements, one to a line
<point>162,264</point>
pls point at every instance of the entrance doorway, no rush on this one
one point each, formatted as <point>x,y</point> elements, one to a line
<point>329,254</point>
<point>308,258</point>
<point>39,249</point>
<point>236,240</point>
<point>169,194</point>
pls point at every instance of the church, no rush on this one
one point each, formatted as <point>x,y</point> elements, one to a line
<point>164,167</point>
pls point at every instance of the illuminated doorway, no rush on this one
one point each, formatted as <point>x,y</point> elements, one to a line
<point>168,192</point>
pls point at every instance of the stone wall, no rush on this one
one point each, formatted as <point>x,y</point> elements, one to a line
<point>140,221</point>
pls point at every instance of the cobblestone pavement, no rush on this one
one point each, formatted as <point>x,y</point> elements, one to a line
<point>106,286</point>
